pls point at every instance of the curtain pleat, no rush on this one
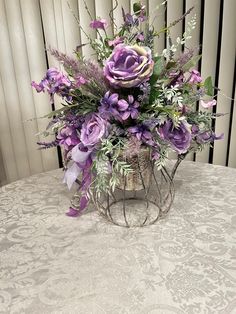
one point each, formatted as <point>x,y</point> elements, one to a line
<point>226,75</point>
<point>209,51</point>
<point>28,28</point>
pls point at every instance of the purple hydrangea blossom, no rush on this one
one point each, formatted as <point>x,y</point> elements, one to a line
<point>128,66</point>
<point>178,138</point>
<point>55,82</point>
<point>98,24</point>
<point>119,109</point>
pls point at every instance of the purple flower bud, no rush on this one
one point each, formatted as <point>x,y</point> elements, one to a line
<point>116,41</point>
<point>208,137</point>
<point>208,104</point>
<point>195,77</point>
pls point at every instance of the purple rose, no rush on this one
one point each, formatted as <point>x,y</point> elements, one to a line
<point>119,109</point>
<point>178,138</point>
<point>100,24</point>
<point>93,130</point>
<point>129,66</point>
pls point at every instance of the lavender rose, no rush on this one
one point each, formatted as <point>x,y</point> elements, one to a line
<point>93,130</point>
<point>179,138</point>
<point>129,66</point>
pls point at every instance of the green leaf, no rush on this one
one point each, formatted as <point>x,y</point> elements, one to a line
<point>159,66</point>
<point>208,86</point>
<point>191,63</point>
<point>154,94</point>
<point>137,7</point>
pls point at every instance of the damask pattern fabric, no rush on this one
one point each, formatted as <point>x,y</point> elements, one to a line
<point>185,263</point>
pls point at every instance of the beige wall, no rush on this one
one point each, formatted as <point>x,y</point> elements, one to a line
<point>23,59</point>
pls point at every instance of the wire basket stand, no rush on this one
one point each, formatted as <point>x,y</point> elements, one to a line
<point>142,197</point>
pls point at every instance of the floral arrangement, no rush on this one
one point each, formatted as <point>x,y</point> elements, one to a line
<point>129,98</point>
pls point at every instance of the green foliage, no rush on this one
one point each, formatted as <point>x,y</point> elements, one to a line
<point>159,67</point>
<point>109,165</point>
<point>191,63</point>
<point>208,86</point>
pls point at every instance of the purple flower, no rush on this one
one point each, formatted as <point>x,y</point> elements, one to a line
<point>116,41</point>
<point>79,81</point>
<point>93,130</point>
<point>129,20</point>
<point>140,37</point>
<point>128,66</point>
<point>68,137</point>
<point>119,109</point>
<point>178,138</point>
<point>55,82</point>
<point>142,133</point>
<point>208,104</point>
<point>100,24</point>
<point>177,78</point>
<point>195,77</point>
<point>73,212</point>
<point>208,137</point>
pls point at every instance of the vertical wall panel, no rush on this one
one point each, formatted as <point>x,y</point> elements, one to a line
<point>71,27</point>
<point>37,67</point>
<point>157,19</point>
<point>85,21</point>
<point>23,80</point>
<point>6,142</point>
<point>174,11</point>
<point>102,11</point>
<point>10,89</point>
<point>118,13</point>
<point>226,75</point>
<point>209,51</point>
<point>194,41</point>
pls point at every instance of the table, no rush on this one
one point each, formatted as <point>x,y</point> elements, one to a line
<point>185,263</point>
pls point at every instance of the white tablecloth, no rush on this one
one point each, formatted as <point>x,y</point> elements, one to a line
<point>185,263</point>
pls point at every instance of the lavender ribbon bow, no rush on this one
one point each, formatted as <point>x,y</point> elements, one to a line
<point>79,155</point>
